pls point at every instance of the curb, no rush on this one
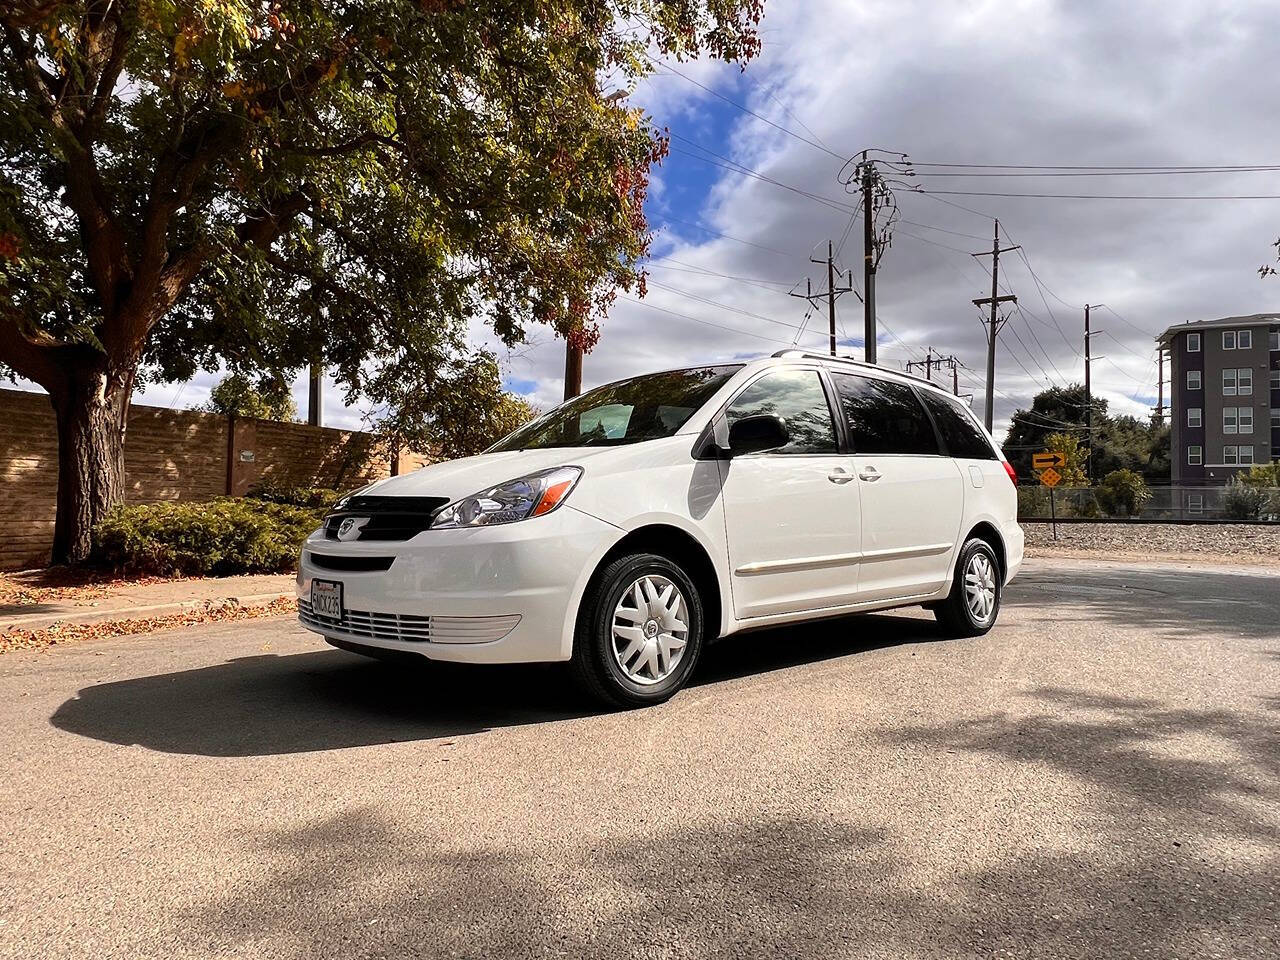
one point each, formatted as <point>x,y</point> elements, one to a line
<point>41,621</point>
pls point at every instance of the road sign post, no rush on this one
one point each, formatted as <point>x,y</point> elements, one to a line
<point>1048,463</point>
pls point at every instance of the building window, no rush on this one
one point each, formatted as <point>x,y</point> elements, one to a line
<point>1193,379</point>
<point>1246,456</point>
<point>1195,456</point>
<point>1237,420</point>
<point>1244,339</point>
<point>1275,379</point>
<point>1237,381</point>
<point>1275,417</point>
<point>1228,339</point>
<point>1273,340</point>
<point>1193,416</point>
<point>1231,455</point>
<point>1195,503</point>
<point>1193,343</point>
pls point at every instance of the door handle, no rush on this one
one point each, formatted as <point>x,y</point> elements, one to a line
<point>839,475</point>
<point>870,474</point>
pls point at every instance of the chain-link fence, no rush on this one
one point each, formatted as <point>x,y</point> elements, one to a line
<point>1234,502</point>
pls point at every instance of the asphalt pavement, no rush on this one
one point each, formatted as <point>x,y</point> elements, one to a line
<point>1097,777</point>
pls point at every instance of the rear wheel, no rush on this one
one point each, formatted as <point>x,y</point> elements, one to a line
<point>640,632</point>
<point>971,608</point>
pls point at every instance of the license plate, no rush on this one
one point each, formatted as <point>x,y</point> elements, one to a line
<point>326,599</point>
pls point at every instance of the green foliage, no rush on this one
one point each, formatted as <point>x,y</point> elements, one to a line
<point>469,413</point>
<point>268,185</point>
<point>273,491</point>
<point>215,538</point>
<point>1069,446</point>
<point>1254,494</point>
<point>237,396</point>
<point>1119,443</point>
<point>1123,493</point>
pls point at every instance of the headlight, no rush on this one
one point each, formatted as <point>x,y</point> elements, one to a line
<point>530,496</point>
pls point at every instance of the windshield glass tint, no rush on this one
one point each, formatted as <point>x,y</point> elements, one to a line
<point>643,408</point>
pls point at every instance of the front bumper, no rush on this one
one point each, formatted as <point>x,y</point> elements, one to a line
<point>503,594</point>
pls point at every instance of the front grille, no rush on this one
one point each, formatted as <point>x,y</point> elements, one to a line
<point>389,518</point>
<point>407,627</point>
<point>353,564</point>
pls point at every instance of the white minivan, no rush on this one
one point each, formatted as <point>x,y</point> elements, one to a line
<point>629,527</point>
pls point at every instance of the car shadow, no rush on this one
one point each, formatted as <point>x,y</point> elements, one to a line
<point>330,699</point>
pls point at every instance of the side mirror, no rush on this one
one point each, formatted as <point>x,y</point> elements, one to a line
<point>753,434</point>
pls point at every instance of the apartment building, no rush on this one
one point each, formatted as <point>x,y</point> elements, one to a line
<point>1224,392</point>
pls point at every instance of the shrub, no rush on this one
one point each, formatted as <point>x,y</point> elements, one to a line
<point>1123,493</point>
<point>274,491</point>
<point>218,537</point>
<point>1243,501</point>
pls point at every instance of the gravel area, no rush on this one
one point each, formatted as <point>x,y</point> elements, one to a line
<point>1212,543</point>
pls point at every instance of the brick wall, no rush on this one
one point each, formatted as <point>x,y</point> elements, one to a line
<point>172,455</point>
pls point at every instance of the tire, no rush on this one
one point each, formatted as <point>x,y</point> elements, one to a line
<point>625,650</point>
<point>958,616</point>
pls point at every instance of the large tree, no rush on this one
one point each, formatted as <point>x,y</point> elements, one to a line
<point>185,183</point>
<point>1119,443</point>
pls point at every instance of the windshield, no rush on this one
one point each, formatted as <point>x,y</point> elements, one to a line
<point>642,408</point>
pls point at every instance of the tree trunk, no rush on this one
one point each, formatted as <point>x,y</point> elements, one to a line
<point>91,416</point>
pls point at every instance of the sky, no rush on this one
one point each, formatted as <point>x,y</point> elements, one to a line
<point>1080,83</point>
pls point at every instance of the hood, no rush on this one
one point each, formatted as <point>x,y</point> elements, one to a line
<point>461,478</point>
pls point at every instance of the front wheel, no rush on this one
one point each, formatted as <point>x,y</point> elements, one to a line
<point>971,608</point>
<point>639,632</point>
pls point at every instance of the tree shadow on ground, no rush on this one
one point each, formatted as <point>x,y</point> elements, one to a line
<point>1175,856</point>
<point>1178,603</point>
<point>330,699</point>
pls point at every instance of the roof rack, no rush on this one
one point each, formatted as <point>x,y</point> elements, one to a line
<point>810,355</point>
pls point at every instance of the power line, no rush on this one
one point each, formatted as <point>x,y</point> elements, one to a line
<point>758,246</point>
<point>1097,196</point>
<point>719,326</point>
<point>1091,166</point>
<point>1222,171</point>
<point>744,109</point>
<point>722,306</point>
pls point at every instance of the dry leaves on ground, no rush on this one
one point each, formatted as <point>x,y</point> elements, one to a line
<point>213,611</point>
<point>61,585</point>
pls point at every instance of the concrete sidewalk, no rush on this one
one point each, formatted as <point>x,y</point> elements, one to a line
<point>121,600</point>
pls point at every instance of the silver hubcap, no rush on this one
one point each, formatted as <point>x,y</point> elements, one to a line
<point>650,629</point>
<point>980,587</point>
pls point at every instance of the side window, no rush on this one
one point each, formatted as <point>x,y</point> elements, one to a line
<point>959,432</point>
<point>798,398</point>
<point>884,416</point>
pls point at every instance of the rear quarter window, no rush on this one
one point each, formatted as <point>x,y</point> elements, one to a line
<point>961,435</point>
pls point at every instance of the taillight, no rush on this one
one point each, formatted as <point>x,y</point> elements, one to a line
<point>1013,474</point>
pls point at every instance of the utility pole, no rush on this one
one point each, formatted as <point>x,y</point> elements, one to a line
<point>1160,385</point>
<point>994,325</point>
<point>868,259</point>
<point>1088,392</point>
<point>1088,404</point>
<point>832,294</point>
<point>572,369</point>
<point>930,361</point>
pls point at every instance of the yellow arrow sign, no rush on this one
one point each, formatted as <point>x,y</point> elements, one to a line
<point>1050,477</point>
<point>1043,461</point>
